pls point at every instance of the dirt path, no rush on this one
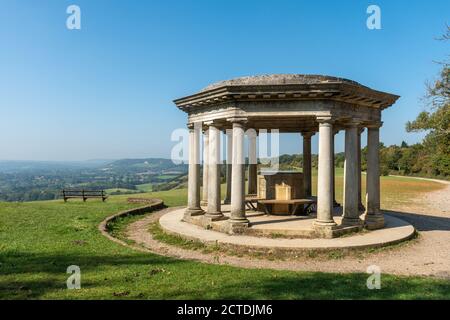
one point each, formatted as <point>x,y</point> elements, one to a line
<point>428,255</point>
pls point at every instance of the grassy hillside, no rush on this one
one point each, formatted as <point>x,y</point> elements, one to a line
<point>39,240</point>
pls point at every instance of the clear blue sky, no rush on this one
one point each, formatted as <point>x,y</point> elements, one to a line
<point>106,91</point>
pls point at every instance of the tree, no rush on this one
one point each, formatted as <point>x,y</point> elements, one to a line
<point>436,120</point>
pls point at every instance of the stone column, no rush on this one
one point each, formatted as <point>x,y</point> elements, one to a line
<point>350,216</point>
<point>193,207</point>
<point>229,134</point>
<point>335,203</point>
<point>307,180</point>
<point>205,167</point>
<point>324,223</point>
<point>374,217</point>
<point>214,210</point>
<point>360,204</point>
<point>252,163</point>
<point>238,220</point>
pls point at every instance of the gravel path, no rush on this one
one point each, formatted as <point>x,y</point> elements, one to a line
<point>429,255</point>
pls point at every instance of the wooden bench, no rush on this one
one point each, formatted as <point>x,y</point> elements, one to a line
<point>83,194</point>
<point>250,201</point>
<point>293,205</point>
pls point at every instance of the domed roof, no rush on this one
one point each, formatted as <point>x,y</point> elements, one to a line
<point>279,79</point>
<point>284,88</point>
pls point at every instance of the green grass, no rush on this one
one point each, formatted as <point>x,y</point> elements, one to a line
<point>39,240</point>
<point>166,176</point>
<point>178,241</point>
<point>146,187</point>
<point>121,190</point>
<point>395,191</point>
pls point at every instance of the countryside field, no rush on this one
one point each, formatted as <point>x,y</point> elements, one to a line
<point>39,240</point>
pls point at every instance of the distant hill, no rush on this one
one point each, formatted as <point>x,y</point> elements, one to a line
<point>148,165</point>
<point>43,180</point>
<point>14,166</point>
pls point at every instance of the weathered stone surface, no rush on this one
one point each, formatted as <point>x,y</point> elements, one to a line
<point>351,202</point>
<point>214,210</point>
<point>238,178</point>
<point>193,207</point>
<point>324,182</point>
<point>279,79</point>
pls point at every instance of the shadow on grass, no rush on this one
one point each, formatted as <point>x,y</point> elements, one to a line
<point>18,263</point>
<point>147,276</point>
<point>27,275</point>
<point>341,286</point>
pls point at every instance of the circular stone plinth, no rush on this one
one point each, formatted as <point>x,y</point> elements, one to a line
<point>396,230</point>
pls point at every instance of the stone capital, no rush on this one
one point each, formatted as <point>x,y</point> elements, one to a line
<point>325,119</point>
<point>353,123</point>
<point>375,125</point>
<point>194,125</point>
<point>237,121</point>
<point>307,134</point>
<point>211,123</point>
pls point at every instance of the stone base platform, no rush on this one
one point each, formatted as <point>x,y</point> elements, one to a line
<point>283,232</point>
<point>263,225</point>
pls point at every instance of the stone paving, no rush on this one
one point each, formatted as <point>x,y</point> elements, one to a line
<point>396,230</point>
